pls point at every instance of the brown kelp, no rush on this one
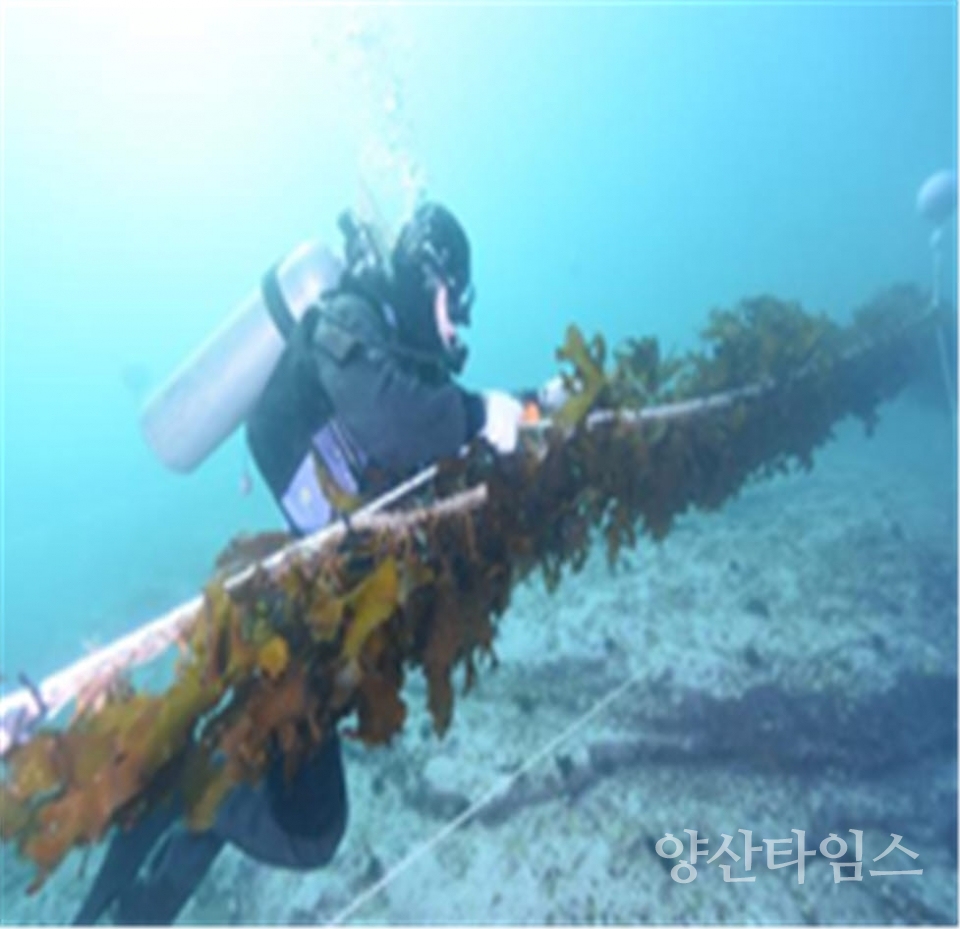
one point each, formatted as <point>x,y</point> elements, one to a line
<point>272,664</point>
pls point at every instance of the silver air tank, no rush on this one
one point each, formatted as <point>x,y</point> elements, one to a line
<point>215,389</point>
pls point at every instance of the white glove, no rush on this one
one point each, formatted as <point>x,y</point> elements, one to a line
<point>552,395</point>
<point>503,421</point>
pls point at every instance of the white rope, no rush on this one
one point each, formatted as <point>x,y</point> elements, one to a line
<point>497,790</point>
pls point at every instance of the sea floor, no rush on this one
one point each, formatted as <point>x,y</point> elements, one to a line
<point>788,663</point>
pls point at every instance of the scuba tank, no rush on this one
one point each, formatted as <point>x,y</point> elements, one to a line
<point>214,390</point>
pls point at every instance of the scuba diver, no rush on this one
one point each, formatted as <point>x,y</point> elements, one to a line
<point>362,393</point>
<point>365,393</point>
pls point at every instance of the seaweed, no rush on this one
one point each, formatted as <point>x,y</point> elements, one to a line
<point>278,661</point>
<point>244,550</point>
<point>641,375</point>
<point>588,380</point>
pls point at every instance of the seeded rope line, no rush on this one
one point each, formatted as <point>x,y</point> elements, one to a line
<point>22,710</point>
<point>497,790</point>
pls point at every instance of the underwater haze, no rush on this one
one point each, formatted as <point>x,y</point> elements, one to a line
<point>623,166</point>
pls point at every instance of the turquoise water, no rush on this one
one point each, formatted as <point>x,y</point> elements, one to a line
<point>626,167</point>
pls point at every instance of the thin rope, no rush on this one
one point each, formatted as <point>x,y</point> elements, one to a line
<point>948,387</point>
<point>936,249</point>
<point>497,790</point>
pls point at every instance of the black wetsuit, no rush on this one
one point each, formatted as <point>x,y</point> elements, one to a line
<point>396,411</point>
<point>394,406</point>
<point>297,825</point>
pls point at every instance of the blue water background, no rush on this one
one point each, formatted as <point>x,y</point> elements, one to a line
<point>623,167</point>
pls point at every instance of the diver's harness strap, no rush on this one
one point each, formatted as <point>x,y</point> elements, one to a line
<point>276,303</point>
<point>401,352</point>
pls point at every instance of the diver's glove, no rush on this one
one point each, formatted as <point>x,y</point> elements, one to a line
<point>502,425</point>
<point>552,395</point>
